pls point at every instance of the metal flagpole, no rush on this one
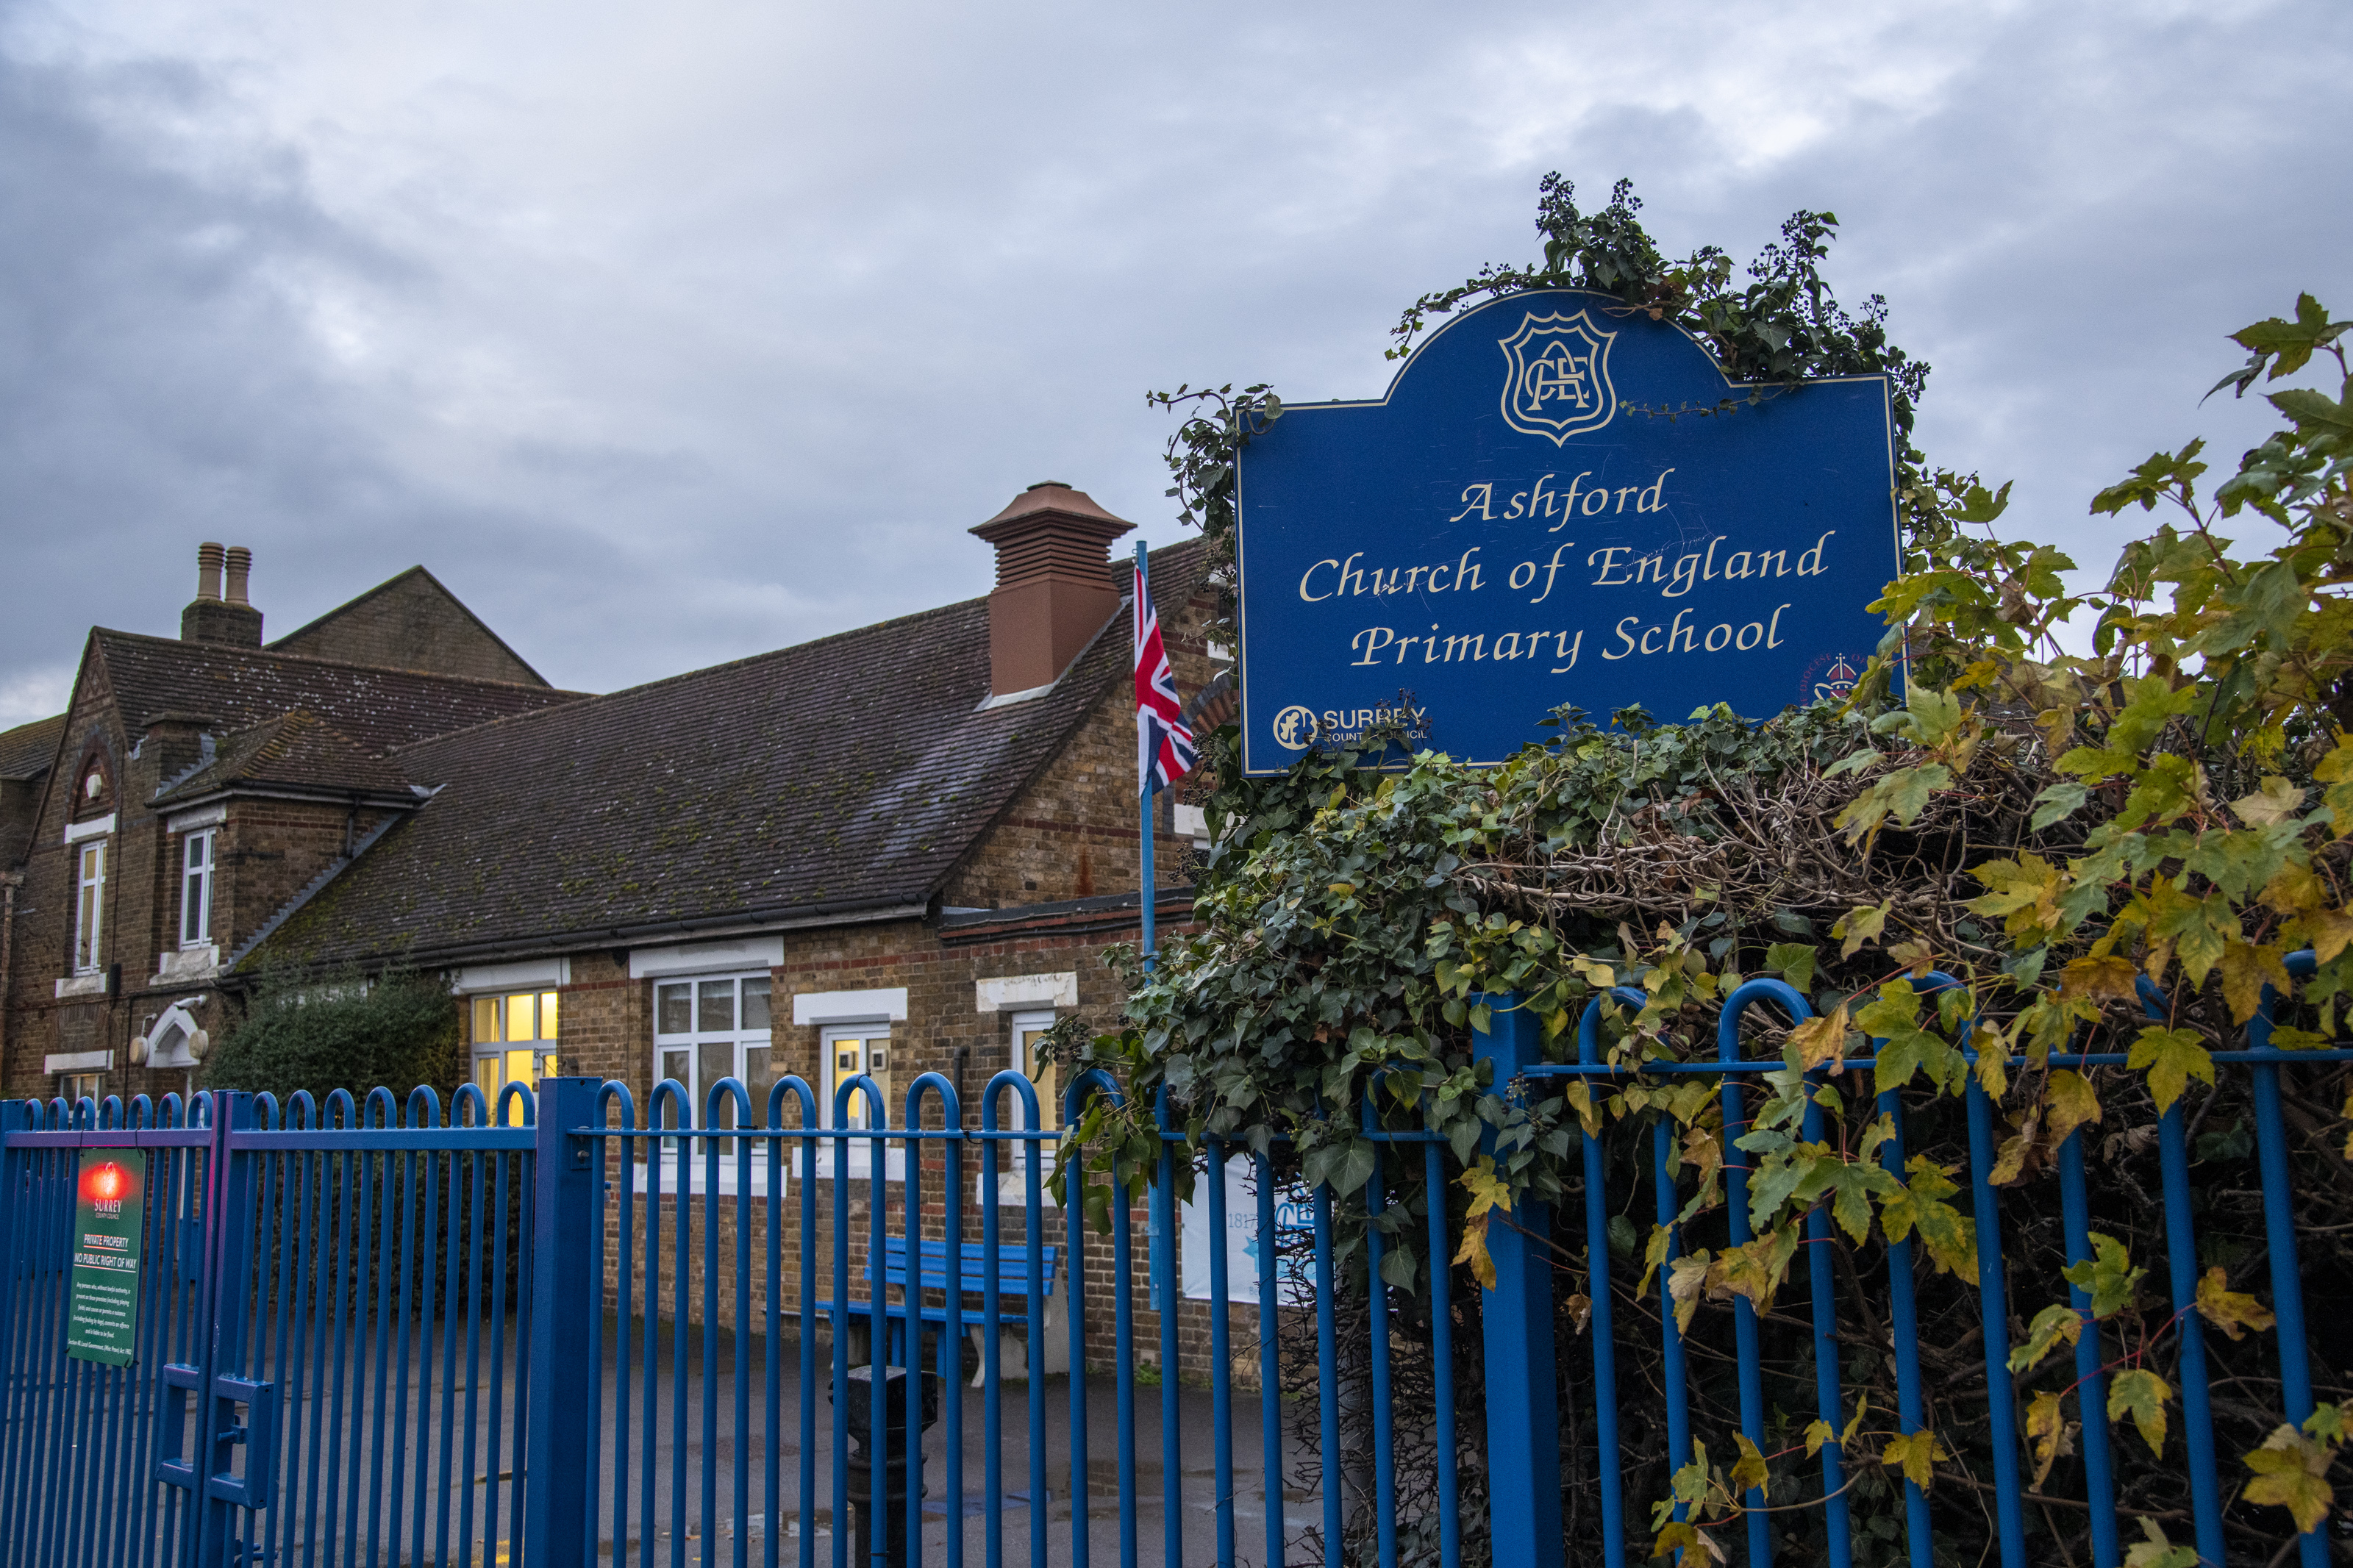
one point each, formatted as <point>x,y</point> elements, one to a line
<point>1160,1282</point>
<point>1144,782</point>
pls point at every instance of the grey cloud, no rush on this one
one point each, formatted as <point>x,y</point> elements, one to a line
<point>670,348</point>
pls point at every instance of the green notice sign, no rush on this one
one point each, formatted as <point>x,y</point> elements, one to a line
<point>109,1219</point>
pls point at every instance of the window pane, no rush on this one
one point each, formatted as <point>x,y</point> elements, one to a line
<point>716,1008</point>
<point>759,1078</point>
<point>518,1066</point>
<point>486,1020</point>
<point>718,1062</point>
<point>90,906</point>
<point>673,1009</point>
<point>755,1004</point>
<point>519,1017</point>
<point>676,1065</point>
<point>486,1077</point>
<point>849,1061</point>
<point>547,1065</point>
<point>547,1015</point>
<point>1045,1075</point>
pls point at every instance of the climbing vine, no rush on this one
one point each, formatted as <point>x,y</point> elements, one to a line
<point>2113,850</point>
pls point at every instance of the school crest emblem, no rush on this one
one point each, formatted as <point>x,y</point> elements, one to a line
<point>1558,383</point>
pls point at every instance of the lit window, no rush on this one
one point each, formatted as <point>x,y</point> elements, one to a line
<point>196,890</point>
<point>855,1048</point>
<point>514,1040</point>
<point>707,1029</point>
<point>90,906</point>
<point>1028,1029</point>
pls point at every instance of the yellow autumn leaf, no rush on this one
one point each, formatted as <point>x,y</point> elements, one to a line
<point>2328,931</point>
<point>2108,979</point>
<point>2275,802</point>
<point>1474,1251</point>
<point>2246,970</point>
<point>2048,1430</point>
<point>2293,889</point>
<point>2171,1057</point>
<point>1593,971</point>
<point>1862,924</point>
<point>1915,1454</point>
<point>2232,1311</point>
<point>2069,1101</point>
<point>1679,1536</point>
<point>1748,1472</point>
<point>2142,1395</point>
<point>1820,1039</point>
<point>1686,1280</point>
<point>2291,1472</point>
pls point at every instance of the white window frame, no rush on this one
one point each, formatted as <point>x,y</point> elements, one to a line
<point>498,1052</point>
<point>1026,1023</point>
<point>1012,1170</point>
<point>869,1034</point>
<point>89,907</point>
<point>197,889</point>
<point>691,1042</point>
<point>832,1038</point>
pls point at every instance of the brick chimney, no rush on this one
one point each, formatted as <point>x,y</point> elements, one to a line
<point>210,617</point>
<point>1055,584</point>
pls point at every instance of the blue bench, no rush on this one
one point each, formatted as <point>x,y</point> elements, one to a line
<point>931,1273</point>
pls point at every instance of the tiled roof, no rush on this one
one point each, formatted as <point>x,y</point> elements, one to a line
<point>28,750</point>
<point>294,750</point>
<point>852,772</point>
<point>238,687</point>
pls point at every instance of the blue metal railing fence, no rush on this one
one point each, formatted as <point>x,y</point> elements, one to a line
<point>571,1330</point>
<point>1993,1515</point>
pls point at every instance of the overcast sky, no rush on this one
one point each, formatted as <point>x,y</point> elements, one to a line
<point>665,334</point>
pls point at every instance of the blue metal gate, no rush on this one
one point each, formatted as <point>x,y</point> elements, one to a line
<point>562,1332</point>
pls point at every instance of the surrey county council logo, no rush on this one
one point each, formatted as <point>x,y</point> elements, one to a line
<point>1294,729</point>
<point>1559,381</point>
<point>1828,679</point>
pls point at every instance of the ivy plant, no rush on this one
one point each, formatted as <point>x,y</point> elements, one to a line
<point>2114,850</point>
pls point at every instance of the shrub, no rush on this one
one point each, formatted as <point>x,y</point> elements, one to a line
<point>395,1032</point>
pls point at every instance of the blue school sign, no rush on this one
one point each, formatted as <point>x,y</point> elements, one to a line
<point>1560,500</point>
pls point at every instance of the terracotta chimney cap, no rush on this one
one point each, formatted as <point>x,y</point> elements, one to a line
<point>1053,497</point>
<point>1056,588</point>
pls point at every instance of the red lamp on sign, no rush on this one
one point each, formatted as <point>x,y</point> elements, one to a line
<point>105,1184</point>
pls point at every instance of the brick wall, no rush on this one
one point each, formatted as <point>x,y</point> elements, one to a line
<point>267,852</point>
<point>409,623</point>
<point>1071,834</point>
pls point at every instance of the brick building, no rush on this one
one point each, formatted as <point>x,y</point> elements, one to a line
<point>191,792</point>
<point>898,849</point>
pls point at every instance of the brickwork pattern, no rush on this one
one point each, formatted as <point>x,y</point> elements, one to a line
<point>267,852</point>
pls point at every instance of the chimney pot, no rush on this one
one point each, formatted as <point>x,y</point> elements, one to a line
<point>240,568</point>
<point>1055,587</point>
<point>230,621</point>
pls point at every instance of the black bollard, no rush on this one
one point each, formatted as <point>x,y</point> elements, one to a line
<point>858,1466</point>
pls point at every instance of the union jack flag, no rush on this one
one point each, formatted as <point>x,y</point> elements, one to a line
<point>1164,742</point>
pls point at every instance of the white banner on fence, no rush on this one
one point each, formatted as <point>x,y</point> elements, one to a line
<point>1294,1211</point>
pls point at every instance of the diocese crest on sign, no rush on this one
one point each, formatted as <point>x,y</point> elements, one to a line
<point>1559,381</point>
